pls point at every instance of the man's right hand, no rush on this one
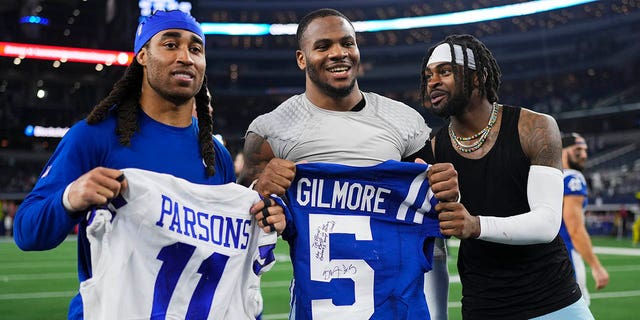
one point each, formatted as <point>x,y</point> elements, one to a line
<point>276,177</point>
<point>95,187</point>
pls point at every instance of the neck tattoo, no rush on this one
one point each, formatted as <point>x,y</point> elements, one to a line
<point>480,137</point>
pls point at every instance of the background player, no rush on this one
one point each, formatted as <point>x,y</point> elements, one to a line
<point>145,122</point>
<point>573,230</point>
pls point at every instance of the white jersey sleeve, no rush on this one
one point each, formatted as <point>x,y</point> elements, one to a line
<point>172,249</point>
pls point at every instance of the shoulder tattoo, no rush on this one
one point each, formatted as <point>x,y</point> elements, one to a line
<point>540,139</point>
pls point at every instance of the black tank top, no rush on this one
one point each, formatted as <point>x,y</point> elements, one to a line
<point>502,281</point>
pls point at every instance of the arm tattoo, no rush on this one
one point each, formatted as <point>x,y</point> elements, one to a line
<point>257,153</point>
<point>540,139</point>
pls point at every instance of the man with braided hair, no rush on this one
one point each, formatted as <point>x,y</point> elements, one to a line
<point>145,123</point>
<point>512,263</point>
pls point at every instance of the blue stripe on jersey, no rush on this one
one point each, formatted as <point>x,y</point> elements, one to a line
<point>360,237</point>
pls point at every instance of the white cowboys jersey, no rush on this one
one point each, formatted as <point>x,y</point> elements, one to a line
<point>176,250</point>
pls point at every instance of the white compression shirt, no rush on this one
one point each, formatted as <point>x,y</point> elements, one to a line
<point>384,130</point>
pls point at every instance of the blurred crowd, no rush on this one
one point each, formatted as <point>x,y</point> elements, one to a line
<point>570,63</point>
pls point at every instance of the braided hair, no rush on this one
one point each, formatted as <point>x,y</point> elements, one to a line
<point>485,62</point>
<point>205,128</point>
<point>124,101</point>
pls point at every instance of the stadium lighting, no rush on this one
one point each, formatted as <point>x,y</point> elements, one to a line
<point>64,54</point>
<point>239,29</point>
<point>49,132</point>
<point>464,17</point>
<point>34,20</point>
<point>455,18</point>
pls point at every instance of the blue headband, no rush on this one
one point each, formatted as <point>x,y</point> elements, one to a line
<point>163,20</point>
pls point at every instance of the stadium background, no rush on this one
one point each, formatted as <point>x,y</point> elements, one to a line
<point>578,64</point>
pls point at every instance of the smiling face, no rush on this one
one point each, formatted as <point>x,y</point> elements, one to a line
<point>330,57</point>
<point>174,65</point>
<point>444,92</point>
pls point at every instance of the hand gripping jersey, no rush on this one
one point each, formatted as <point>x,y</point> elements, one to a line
<point>361,233</point>
<point>176,250</point>
<point>574,184</point>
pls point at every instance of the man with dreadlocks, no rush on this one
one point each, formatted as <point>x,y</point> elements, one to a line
<point>146,123</point>
<point>511,261</point>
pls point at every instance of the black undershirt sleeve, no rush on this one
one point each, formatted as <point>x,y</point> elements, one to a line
<point>426,154</point>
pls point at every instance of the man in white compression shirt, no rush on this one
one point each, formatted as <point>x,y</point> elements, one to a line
<point>335,122</point>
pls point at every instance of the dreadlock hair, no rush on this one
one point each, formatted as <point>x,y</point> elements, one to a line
<point>124,101</point>
<point>205,128</point>
<point>486,66</point>
<point>320,13</point>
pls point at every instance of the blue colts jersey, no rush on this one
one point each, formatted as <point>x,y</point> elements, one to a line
<point>361,240</point>
<point>574,184</point>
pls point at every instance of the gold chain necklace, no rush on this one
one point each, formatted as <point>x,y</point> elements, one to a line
<point>480,136</point>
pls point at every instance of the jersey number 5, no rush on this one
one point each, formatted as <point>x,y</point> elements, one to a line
<point>324,269</point>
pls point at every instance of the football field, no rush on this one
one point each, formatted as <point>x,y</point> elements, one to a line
<point>39,285</point>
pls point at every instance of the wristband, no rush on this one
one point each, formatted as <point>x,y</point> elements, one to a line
<point>65,199</point>
<point>71,211</point>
